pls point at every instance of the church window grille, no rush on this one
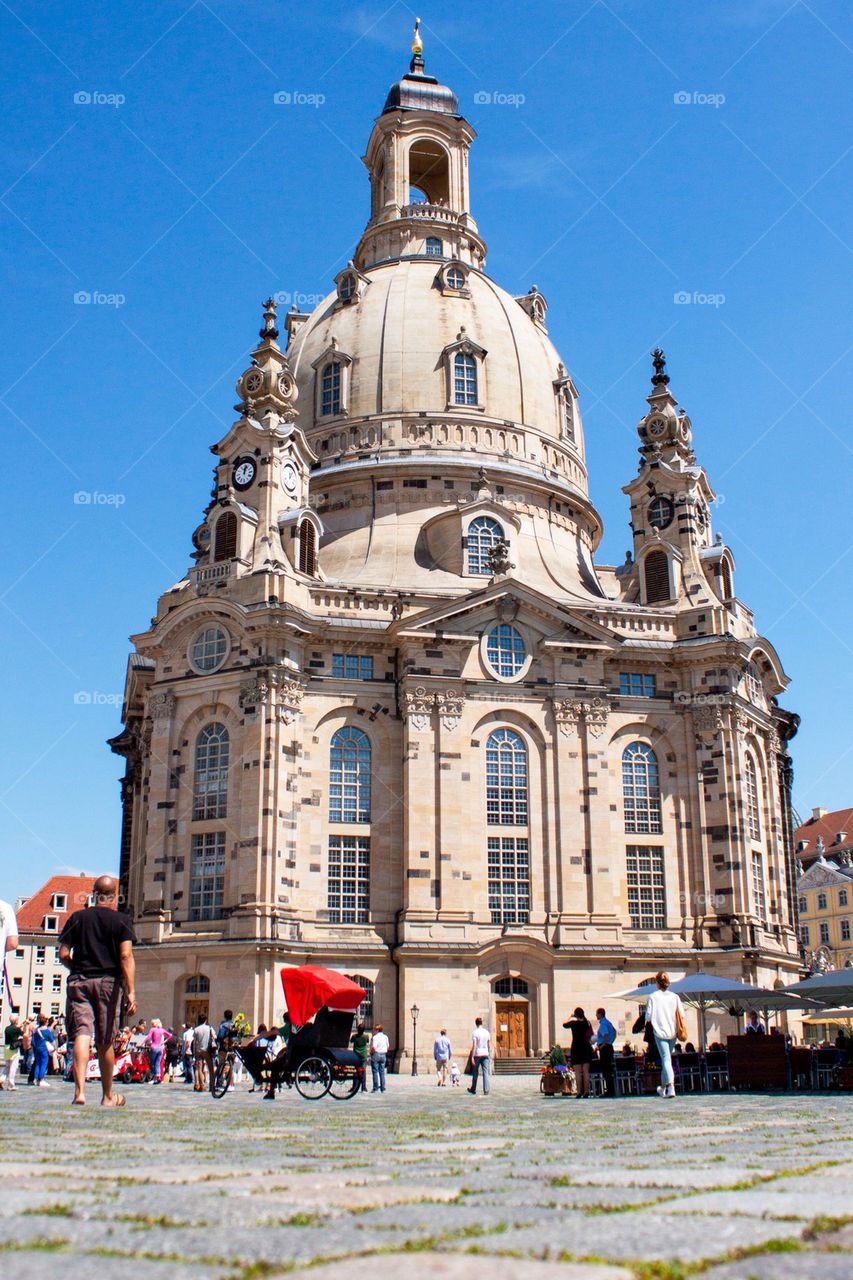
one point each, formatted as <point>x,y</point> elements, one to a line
<point>824,932</point>
<point>641,790</point>
<point>210,793</point>
<point>225,538</point>
<point>348,899</point>
<point>349,776</point>
<point>330,389</point>
<point>821,902</point>
<point>845,930</point>
<point>511,987</point>
<point>842,897</point>
<point>434,247</point>
<point>307,548</point>
<point>509,879</point>
<point>209,649</point>
<point>753,810</point>
<point>636,684</point>
<point>646,887</point>
<point>759,894</point>
<point>506,779</point>
<point>506,651</point>
<point>455,279</point>
<point>364,1012</point>
<point>656,572</point>
<point>483,534</point>
<point>464,378</point>
<point>661,513</point>
<point>352,666</point>
<point>207,876</point>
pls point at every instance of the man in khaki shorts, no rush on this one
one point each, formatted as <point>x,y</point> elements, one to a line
<point>97,946</point>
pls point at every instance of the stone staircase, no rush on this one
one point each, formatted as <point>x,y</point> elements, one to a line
<point>517,1066</point>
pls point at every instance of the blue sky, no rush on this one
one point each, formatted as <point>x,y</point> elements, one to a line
<point>697,150</point>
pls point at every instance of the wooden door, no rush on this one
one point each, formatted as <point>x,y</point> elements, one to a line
<point>194,1008</point>
<point>511,1036</point>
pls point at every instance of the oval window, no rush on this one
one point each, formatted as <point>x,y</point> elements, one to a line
<point>506,651</point>
<point>209,649</point>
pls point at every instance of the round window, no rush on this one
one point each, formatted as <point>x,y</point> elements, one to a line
<point>506,651</point>
<point>209,649</point>
<point>455,278</point>
<point>661,513</point>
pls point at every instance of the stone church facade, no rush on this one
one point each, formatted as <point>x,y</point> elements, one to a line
<point>396,720</point>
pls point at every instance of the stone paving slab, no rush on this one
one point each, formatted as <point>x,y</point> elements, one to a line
<point>188,1186</point>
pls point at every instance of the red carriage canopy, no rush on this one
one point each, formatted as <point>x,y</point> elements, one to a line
<point>308,987</point>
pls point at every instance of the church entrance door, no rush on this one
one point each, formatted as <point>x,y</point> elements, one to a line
<point>512,1036</point>
<point>194,1009</point>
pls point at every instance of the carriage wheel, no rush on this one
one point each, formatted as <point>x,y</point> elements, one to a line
<point>221,1078</point>
<point>345,1086</point>
<point>313,1078</point>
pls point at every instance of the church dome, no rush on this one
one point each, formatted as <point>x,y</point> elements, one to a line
<point>399,337</point>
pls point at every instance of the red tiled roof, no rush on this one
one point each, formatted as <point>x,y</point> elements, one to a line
<point>828,827</point>
<point>31,915</point>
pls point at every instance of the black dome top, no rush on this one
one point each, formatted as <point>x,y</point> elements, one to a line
<point>421,93</point>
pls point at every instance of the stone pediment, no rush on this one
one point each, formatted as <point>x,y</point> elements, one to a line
<point>503,601</point>
<point>821,874</point>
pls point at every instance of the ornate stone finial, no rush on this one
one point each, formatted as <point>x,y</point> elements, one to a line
<point>417,63</point>
<point>660,377</point>
<point>269,332</point>
<point>482,478</point>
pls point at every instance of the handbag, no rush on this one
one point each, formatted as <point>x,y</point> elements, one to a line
<point>680,1025</point>
<point>469,1065</point>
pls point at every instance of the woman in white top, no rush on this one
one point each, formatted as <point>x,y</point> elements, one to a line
<point>661,1010</point>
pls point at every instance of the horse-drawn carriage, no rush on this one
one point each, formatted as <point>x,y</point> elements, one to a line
<point>317,1059</point>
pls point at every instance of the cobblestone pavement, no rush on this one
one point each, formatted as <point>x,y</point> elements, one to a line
<point>179,1186</point>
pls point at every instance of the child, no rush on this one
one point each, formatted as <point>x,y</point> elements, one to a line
<point>454,1073</point>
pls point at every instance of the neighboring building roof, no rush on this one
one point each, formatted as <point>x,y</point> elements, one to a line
<point>825,826</point>
<point>30,915</point>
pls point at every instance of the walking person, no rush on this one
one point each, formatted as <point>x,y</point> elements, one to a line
<point>187,1053</point>
<point>11,1052</point>
<point>204,1038</point>
<point>605,1039</point>
<point>96,945</point>
<point>664,1010</point>
<point>379,1046</point>
<point>43,1045</point>
<point>155,1042</point>
<point>481,1052</point>
<point>442,1052</point>
<point>580,1052</point>
<point>361,1048</point>
<point>173,1052</point>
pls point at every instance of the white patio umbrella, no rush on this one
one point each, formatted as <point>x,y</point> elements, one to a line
<point>834,988</point>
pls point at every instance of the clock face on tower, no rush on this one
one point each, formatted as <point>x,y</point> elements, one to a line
<point>289,478</point>
<point>245,470</point>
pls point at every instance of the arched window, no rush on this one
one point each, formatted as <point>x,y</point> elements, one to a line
<point>726,580</point>
<point>307,548</point>
<point>656,572</point>
<point>753,807</point>
<point>364,1012</point>
<point>464,376</point>
<point>506,779</point>
<point>210,788</point>
<point>434,247</point>
<point>225,538</point>
<point>349,776</point>
<point>330,388</point>
<point>641,790</point>
<point>483,534</point>
<point>511,987</point>
<point>198,985</point>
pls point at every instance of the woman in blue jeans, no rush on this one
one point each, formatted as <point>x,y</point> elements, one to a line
<point>661,1009</point>
<point>43,1043</point>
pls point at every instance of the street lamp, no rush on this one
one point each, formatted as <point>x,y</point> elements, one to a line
<point>415,1011</point>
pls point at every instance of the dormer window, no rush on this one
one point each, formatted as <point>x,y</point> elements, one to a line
<point>350,284</point>
<point>435,249</point>
<point>346,288</point>
<point>455,278</point>
<point>464,379</point>
<point>483,534</point>
<point>566,400</point>
<point>332,382</point>
<point>50,924</point>
<point>59,901</point>
<point>330,391</point>
<point>465,368</point>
